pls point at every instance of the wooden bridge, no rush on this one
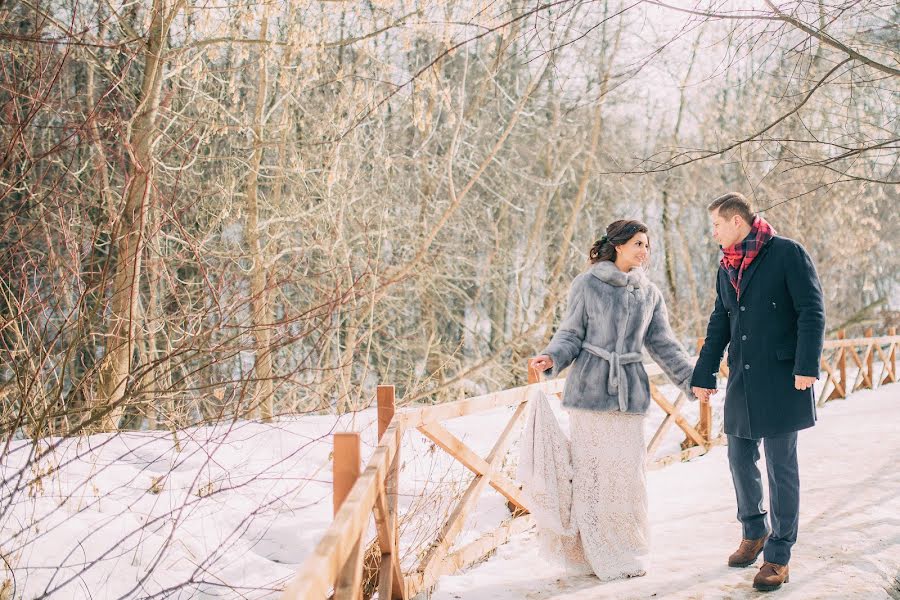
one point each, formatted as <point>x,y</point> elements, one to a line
<point>342,558</point>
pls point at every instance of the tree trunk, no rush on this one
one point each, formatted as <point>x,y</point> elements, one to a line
<point>116,367</point>
<point>554,278</point>
<point>260,312</point>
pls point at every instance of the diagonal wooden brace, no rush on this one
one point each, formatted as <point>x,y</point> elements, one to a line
<point>433,559</point>
<point>455,447</point>
<point>671,409</point>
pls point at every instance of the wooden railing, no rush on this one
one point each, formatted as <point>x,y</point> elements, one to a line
<point>337,560</point>
<point>834,363</point>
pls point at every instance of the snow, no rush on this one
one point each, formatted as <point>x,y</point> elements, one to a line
<point>231,511</point>
<point>227,511</point>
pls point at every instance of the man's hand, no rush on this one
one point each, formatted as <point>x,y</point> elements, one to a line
<point>703,393</point>
<point>541,363</point>
<point>802,382</point>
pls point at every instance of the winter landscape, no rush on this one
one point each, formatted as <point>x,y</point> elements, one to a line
<point>223,225</point>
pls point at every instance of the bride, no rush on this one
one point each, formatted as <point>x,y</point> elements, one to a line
<point>613,312</point>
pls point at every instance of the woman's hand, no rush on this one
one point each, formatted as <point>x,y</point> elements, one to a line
<point>541,363</point>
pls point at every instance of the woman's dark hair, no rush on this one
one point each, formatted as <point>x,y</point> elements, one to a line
<point>617,233</point>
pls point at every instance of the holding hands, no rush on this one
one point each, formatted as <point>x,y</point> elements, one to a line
<point>703,394</point>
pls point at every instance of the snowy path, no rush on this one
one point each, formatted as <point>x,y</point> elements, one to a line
<point>849,542</point>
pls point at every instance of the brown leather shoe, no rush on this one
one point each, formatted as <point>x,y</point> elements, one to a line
<point>747,552</point>
<point>771,576</point>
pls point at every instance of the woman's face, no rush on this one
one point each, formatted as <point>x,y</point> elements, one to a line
<point>635,252</point>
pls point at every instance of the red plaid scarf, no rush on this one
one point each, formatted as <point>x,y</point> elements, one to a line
<point>736,258</point>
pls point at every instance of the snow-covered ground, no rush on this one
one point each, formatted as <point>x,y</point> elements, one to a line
<point>230,511</point>
<point>848,546</point>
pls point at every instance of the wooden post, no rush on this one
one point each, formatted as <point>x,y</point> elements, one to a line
<point>704,425</point>
<point>348,585</point>
<point>891,377</point>
<point>386,407</point>
<point>842,370</point>
<point>870,362</point>
<point>390,577</point>
<point>346,466</point>
<point>534,376</point>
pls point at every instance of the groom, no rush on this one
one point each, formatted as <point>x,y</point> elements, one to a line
<point>770,313</point>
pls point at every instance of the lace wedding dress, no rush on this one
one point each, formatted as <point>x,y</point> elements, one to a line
<point>588,494</point>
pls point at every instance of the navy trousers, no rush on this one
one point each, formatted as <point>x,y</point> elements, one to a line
<point>784,492</point>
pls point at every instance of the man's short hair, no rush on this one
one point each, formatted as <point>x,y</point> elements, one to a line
<point>732,203</point>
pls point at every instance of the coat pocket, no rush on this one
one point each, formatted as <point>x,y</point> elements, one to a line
<point>784,353</point>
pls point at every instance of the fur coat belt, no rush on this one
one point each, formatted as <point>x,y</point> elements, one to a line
<point>616,385</point>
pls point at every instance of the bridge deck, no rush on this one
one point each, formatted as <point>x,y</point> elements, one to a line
<point>849,544</point>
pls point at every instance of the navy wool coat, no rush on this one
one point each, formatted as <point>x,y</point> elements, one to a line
<point>775,331</point>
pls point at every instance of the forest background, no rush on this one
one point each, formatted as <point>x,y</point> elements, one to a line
<point>214,210</point>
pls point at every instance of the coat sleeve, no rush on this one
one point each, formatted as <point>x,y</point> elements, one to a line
<point>718,335</point>
<point>806,295</point>
<point>665,349</point>
<point>565,345</point>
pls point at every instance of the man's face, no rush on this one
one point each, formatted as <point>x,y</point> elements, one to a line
<point>726,232</point>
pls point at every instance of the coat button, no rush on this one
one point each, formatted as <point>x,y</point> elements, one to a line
<point>630,288</point>
<point>746,366</point>
<point>743,308</point>
<point>744,337</point>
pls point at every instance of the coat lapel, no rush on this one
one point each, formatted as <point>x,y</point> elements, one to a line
<point>748,274</point>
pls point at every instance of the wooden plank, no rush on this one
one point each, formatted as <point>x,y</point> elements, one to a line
<point>346,467</point>
<point>456,520</point>
<point>822,397</point>
<point>704,427</point>
<point>866,378</point>
<point>315,577</point>
<point>841,368</point>
<point>665,425</point>
<point>415,418</point>
<point>455,447</point>
<point>893,358</point>
<point>478,549</point>
<point>348,583</point>
<point>667,406</point>
<point>863,341</point>
<point>534,376</point>
<point>838,387</point>
<point>686,455</point>
<point>870,360</point>
<point>384,395</point>
<point>384,525</point>
<point>842,364</point>
<point>392,577</point>
<point>886,367</point>
<point>349,580</point>
<point>474,551</point>
<point>862,370</point>
<point>383,519</point>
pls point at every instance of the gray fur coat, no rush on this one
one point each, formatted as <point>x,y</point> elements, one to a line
<point>610,317</point>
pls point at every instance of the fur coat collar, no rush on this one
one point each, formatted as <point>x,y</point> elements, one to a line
<point>608,272</point>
